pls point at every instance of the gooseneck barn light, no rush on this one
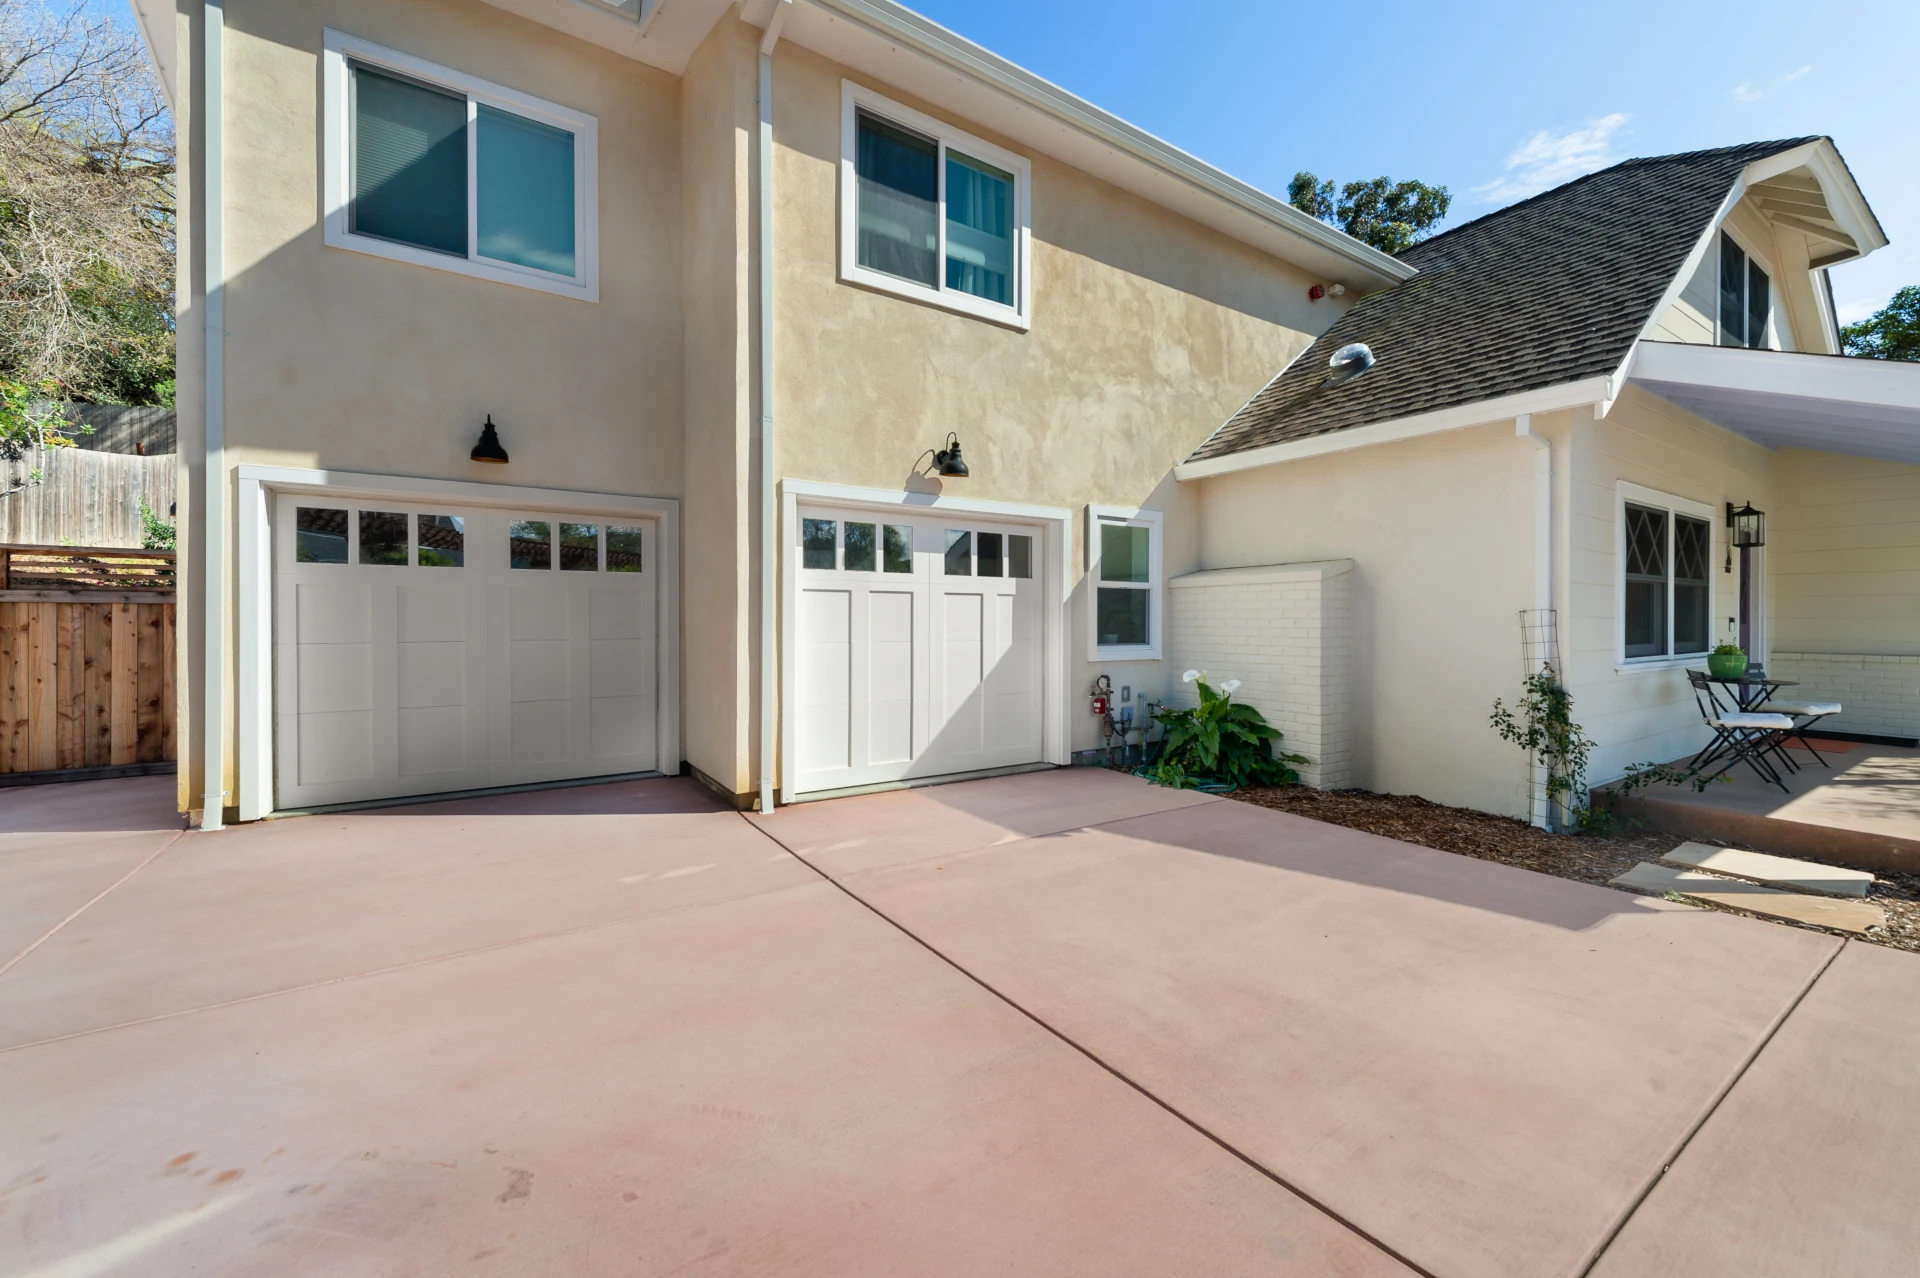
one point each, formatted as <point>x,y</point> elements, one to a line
<point>947,463</point>
<point>488,449</point>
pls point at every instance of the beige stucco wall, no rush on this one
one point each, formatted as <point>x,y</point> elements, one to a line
<point>1643,713</point>
<point>1440,530</point>
<point>1148,331</point>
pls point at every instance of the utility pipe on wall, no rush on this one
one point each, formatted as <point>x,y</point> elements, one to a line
<point>763,273</point>
<point>213,523</point>
<point>1542,580</point>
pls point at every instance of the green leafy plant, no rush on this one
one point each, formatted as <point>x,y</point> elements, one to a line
<point>1728,650</point>
<point>1541,723</point>
<point>1893,332</point>
<point>155,533</point>
<point>1220,743</point>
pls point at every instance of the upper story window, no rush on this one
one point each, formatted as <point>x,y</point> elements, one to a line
<point>931,213</point>
<point>1666,553</point>
<point>425,165</point>
<point>1746,297</point>
<point>1125,586</point>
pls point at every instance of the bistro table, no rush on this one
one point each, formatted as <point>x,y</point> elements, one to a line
<point>1750,691</point>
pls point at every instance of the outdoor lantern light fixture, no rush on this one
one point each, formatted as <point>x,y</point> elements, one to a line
<point>947,462</point>
<point>1746,528</point>
<point>489,450</point>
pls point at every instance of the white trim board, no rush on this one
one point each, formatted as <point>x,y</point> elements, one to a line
<point>1056,526</point>
<point>253,528</point>
<point>341,49</point>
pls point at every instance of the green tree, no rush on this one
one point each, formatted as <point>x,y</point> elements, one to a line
<point>1892,333</point>
<point>1391,216</point>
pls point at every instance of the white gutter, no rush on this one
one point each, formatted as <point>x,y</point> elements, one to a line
<point>213,549</point>
<point>1549,399</point>
<point>763,278</point>
<point>1542,580</point>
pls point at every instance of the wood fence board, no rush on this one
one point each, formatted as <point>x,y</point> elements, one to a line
<point>149,674</point>
<point>169,677</point>
<point>43,720</point>
<point>125,714</point>
<point>97,678</point>
<point>66,694</point>
<point>13,667</point>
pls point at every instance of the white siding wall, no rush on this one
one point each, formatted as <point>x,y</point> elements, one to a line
<point>1285,632</point>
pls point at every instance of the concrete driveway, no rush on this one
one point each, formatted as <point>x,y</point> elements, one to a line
<point>1060,1023</point>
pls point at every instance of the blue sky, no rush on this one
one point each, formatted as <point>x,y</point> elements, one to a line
<point>1494,100</point>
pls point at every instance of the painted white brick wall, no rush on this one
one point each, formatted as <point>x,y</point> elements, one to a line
<point>1284,631</point>
<point>1881,694</point>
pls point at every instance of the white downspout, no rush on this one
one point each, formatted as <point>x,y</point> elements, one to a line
<point>213,525</point>
<point>763,272</point>
<point>1542,580</point>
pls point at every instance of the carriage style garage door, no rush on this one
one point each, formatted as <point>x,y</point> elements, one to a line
<point>421,649</point>
<point>918,647</point>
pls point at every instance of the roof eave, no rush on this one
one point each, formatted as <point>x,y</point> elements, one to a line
<point>1589,391</point>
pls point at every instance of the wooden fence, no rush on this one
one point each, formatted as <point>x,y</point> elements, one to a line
<point>86,658</point>
<point>82,497</point>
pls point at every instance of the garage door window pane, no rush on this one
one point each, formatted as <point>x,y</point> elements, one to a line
<point>899,549</point>
<point>530,543</point>
<point>1019,556</point>
<point>989,554</point>
<point>579,547</point>
<point>860,549</point>
<point>959,553</point>
<point>443,541</point>
<point>817,538</point>
<point>320,535</point>
<point>1123,617</point>
<point>383,537</point>
<point>623,550</point>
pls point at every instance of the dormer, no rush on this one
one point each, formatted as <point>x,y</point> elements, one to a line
<point>1758,276</point>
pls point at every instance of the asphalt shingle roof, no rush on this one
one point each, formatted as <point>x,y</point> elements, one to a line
<point>1547,291</point>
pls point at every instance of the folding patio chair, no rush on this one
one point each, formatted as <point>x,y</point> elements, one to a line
<point>1738,735</point>
<point>1807,713</point>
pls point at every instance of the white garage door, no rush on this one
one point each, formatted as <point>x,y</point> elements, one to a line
<point>918,648</point>
<point>429,648</point>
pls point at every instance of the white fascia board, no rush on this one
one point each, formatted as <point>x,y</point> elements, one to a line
<point>1549,399</point>
<point>1870,383</point>
<point>660,33</point>
<point>155,18</point>
<point>899,47</point>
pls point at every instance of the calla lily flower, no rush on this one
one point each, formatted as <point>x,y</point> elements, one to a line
<point>1191,675</point>
<point>1230,687</point>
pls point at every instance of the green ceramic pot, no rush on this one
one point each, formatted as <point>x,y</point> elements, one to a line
<point>1729,665</point>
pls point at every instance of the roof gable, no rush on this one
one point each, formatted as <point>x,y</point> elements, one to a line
<point>1554,289</point>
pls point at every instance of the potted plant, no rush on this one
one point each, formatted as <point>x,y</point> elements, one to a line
<point>1727,661</point>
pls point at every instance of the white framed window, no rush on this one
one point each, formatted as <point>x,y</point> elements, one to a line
<point>429,166</point>
<point>1663,576</point>
<point>1746,297</point>
<point>1125,586</point>
<point>933,214</point>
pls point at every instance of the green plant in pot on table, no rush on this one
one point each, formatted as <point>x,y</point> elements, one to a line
<point>1727,661</point>
<point>1220,744</point>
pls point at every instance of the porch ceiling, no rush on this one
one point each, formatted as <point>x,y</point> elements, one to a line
<point>1783,399</point>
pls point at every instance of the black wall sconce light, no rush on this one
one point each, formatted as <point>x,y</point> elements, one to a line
<point>947,462</point>
<point>488,449</point>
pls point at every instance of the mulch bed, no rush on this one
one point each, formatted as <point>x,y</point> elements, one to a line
<point>1588,858</point>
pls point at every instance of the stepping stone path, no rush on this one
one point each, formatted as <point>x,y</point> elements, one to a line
<point>1824,911</point>
<point>1775,871</point>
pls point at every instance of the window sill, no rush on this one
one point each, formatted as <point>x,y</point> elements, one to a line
<point>1630,665</point>
<point>496,272</point>
<point>940,299</point>
<point>1128,653</point>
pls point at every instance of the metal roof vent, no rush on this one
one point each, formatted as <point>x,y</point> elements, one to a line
<point>1349,362</point>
